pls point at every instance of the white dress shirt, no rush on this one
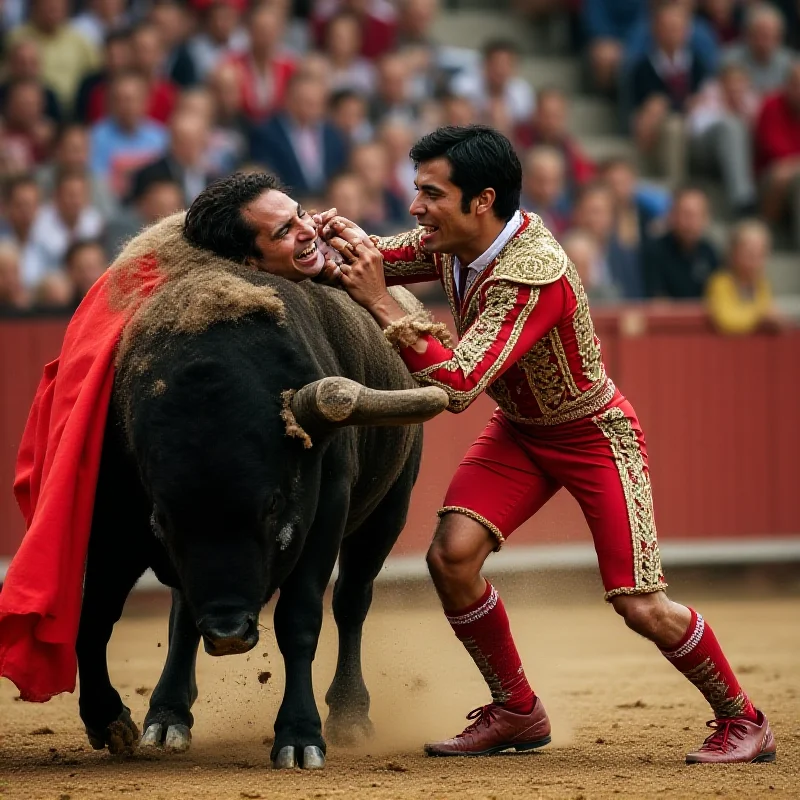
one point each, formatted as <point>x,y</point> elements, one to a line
<point>490,254</point>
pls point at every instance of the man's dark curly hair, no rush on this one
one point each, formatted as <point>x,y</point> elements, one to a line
<point>215,221</point>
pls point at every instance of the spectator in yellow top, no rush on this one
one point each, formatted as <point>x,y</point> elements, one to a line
<point>66,55</point>
<point>739,297</point>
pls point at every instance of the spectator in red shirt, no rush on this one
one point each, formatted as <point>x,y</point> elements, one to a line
<point>543,187</point>
<point>548,125</point>
<point>147,56</point>
<point>263,71</point>
<point>777,140</point>
<point>27,132</point>
<point>378,23</point>
<point>90,104</point>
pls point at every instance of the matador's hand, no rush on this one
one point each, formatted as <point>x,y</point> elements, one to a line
<point>362,266</point>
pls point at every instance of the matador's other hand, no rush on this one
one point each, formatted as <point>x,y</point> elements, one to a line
<point>362,268</point>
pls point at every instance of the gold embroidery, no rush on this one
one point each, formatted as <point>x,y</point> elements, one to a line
<point>628,590</point>
<point>590,402</point>
<point>708,679</point>
<point>499,694</point>
<point>616,427</point>
<point>533,257</point>
<point>545,377</point>
<point>471,350</point>
<point>500,393</point>
<point>423,263</point>
<point>468,512</point>
<point>588,343</point>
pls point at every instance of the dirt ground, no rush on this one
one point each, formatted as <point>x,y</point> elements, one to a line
<point>622,717</point>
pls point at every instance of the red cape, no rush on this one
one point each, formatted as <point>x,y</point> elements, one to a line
<point>56,477</point>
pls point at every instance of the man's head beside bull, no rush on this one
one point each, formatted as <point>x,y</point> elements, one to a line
<point>249,219</point>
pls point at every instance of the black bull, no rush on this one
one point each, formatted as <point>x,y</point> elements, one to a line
<point>200,482</point>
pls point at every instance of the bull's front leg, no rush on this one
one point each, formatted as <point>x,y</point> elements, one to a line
<point>169,720</point>
<point>298,620</point>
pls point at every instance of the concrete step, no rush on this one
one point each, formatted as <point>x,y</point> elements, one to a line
<point>471,28</point>
<point>599,148</point>
<point>784,272</point>
<point>593,116</point>
<point>558,71</point>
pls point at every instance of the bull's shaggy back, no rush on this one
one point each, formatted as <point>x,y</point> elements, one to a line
<point>197,287</point>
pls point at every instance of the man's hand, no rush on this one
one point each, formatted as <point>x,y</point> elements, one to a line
<point>362,264</point>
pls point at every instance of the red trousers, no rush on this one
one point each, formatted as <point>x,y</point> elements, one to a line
<point>512,470</point>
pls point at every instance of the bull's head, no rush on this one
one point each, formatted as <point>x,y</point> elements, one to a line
<point>226,581</point>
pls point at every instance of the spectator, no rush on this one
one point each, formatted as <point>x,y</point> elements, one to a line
<point>393,94</point>
<point>548,125</point>
<point>397,139</point>
<point>219,37</point>
<point>499,93</point>
<point>159,200</point>
<point>638,208</point>
<point>299,145</point>
<point>378,20</point>
<point>149,59</point>
<point>543,187</point>
<point>607,24</point>
<point>762,54</point>
<point>679,263</point>
<point>348,68</point>
<point>584,252</point>
<point>172,19</point>
<point>71,154</point>
<point>13,296</point>
<point>347,194</point>
<point>184,162</point>
<point>54,293</point>
<point>700,36</point>
<point>457,110</point>
<point>617,267</point>
<point>720,135</point>
<point>126,139</point>
<point>66,54</point>
<point>27,131</point>
<point>724,17</point>
<point>739,298</point>
<point>348,114</point>
<point>664,84</point>
<point>84,262</point>
<point>67,219</point>
<point>777,142</point>
<point>23,62</point>
<point>21,206</point>
<point>99,19</point>
<point>384,211</point>
<point>90,103</point>
<point>227,144</point>
<point>263,70</point>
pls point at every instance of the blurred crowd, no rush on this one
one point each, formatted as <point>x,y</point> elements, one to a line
<point>115,113</point>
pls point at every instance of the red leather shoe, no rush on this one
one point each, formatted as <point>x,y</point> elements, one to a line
<point>736,741</point>
<point>495,729</point>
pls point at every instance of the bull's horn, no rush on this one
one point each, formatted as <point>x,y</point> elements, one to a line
<point>339,402</point>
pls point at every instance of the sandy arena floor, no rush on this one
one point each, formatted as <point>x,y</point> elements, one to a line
<point>623,719</point>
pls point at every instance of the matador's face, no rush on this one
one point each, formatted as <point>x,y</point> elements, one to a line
<point>437,208</point>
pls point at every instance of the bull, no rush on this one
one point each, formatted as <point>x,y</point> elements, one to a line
<point>200,482</point>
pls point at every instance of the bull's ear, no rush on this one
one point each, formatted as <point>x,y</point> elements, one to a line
<point>339,402</point>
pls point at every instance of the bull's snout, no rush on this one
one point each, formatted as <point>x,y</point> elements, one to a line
<point>229,635</point>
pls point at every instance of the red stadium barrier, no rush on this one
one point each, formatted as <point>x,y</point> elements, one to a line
<point>720,415</point>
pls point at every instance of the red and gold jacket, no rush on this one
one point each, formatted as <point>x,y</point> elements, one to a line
<point>526,337</point>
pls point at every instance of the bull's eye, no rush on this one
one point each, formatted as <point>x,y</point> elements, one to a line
<point>275,505</point>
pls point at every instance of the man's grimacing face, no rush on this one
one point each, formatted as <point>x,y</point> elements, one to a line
<point>286,237</point>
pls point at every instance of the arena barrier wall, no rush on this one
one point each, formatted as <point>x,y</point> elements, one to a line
<point>720,415</point>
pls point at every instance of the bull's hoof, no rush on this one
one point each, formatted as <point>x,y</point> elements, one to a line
<point>121,736</point>
<point>348,731</point>
<point>286,758</point>
<point>173,738</point>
